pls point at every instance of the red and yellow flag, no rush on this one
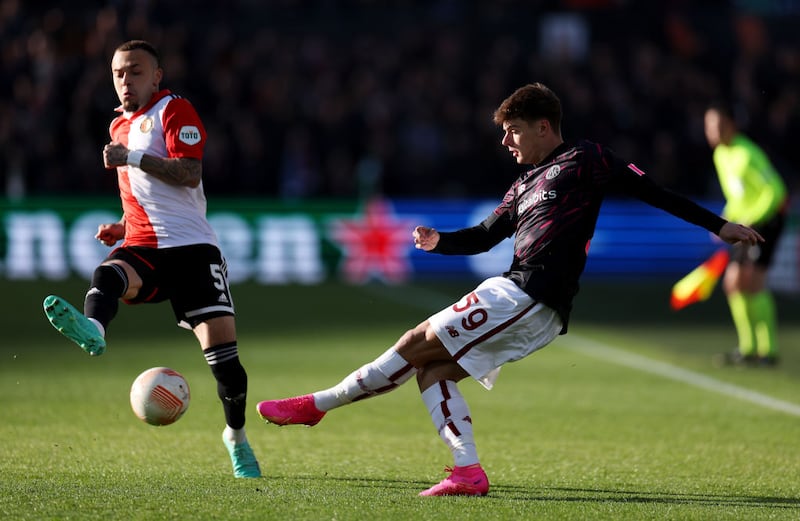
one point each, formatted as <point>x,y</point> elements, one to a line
<point>699,283</point>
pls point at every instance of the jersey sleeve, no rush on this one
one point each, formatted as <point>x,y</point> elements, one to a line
<point>184,133</point>
<point>497,226</point>
<point>631,180</point>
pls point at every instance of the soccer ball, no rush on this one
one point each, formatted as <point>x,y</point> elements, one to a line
<point>159,396</point>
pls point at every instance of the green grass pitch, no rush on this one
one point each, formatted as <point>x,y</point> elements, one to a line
<point>624,418</point>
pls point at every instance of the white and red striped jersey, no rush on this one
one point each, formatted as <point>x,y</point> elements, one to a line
<point>157,214</point>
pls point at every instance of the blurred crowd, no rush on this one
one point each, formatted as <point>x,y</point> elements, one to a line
<point>309,99</point>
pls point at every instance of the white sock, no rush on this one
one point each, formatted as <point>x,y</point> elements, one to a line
<point>450,415</point>
<point>384,374</point>
<point>234,436</point>
<point>99,326</point>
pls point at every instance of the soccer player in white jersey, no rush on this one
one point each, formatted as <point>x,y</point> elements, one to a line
<point>169,250</point>
<point>551,209</point>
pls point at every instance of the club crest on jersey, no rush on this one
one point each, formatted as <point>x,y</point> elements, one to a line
<point>189,134</point>
<point>146,125</point>
<point>553,172</point>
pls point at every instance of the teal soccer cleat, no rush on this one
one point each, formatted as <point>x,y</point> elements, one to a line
<point>74,325</point>
<point>244,461</point>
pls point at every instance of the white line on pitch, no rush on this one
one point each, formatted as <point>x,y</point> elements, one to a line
<point>607,353</point>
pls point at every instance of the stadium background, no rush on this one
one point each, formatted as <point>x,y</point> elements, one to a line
<point>315,109</point>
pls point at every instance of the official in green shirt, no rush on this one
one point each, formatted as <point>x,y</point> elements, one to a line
<point>755,195</point>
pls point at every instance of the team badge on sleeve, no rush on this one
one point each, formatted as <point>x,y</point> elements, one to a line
<point>189,134</point>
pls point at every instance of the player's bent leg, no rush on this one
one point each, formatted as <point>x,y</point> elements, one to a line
<point>74,325</point>
<point>462,481</point>
<point>382,375</point>
<point>109,283</point>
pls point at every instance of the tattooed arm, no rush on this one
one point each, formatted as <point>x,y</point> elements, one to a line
<point>176,171</point>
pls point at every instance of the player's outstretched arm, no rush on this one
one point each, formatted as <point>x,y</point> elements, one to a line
<point>733,233</point>
<point>425,238</point>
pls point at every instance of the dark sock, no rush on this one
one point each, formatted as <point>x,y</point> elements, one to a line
<point>231,379</point>
<point>109,283</point>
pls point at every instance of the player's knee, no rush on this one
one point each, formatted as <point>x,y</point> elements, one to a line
<point>123,270</point>
<point>438,371</point>
<point>421,333</point>
<point>111,280</point>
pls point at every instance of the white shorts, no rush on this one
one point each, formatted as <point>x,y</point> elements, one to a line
<point>495,324</point>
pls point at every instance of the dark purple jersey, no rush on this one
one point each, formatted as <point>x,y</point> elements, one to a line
<point>553,208</point>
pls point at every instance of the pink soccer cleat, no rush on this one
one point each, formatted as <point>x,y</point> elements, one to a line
<point>462,481</point>
<point>299,410</point>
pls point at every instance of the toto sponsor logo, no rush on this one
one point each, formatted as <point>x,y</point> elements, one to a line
<point>189,134</point>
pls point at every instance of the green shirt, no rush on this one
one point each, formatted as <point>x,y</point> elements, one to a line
<point>753,189</point>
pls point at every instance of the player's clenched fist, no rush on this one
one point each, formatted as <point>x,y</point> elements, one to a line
<point>114,155</point>
<point>109,234</point>
<point>425,238</point>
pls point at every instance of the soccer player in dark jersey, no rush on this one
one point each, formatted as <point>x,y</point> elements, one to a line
<point>552,210</point>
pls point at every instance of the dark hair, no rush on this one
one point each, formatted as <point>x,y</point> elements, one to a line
<point>529,103</point>
<point>132,45</point>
